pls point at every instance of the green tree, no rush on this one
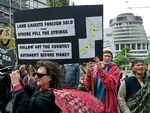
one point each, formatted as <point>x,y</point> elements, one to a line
<point>57,3</point>
<point>125,51</point>
<point>123,57</point>
<point>147,60</point>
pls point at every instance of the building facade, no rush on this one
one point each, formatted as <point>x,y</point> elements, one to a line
<point>7,7</point>
<point>108,41</point>
<point>128,30</point>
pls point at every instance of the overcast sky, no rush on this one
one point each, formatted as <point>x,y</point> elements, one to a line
<point>114,7</point>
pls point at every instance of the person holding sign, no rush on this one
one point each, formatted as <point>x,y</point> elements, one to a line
<point>105,75</point>
<point>39,99</point>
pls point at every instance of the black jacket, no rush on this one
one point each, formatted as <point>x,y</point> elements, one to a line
<point>31,100</point>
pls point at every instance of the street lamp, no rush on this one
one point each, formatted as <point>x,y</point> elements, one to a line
<point>10,11</point>
<point>139,7</point>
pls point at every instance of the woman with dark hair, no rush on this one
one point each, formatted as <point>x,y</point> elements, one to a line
<point>134,92</point>
<point>28,99</point>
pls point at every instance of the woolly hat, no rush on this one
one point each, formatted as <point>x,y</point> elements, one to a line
<point>107,50</point>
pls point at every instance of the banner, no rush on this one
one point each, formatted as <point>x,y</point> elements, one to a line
<point>63,34</point>
<point>7,57</point>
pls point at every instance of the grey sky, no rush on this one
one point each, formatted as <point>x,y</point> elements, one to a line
<point>114,7</point>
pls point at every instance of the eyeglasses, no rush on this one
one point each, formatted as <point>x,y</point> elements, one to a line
<point>39,75</point>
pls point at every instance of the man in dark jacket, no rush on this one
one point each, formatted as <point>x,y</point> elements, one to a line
<point>72,75</point>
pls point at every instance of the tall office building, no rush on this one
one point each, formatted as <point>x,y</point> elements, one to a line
<point>128,30</point>
<point>7,7</point>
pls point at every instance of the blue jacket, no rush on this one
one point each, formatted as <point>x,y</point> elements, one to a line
<point>72,75</point>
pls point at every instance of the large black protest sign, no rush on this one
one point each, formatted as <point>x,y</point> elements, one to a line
<point>7,57</point>
<point>63,34</point>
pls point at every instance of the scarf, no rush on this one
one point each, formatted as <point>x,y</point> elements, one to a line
<point>100,89</point>
<point>140,102</point>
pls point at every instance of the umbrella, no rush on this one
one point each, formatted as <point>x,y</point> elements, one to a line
<point>75,101</point>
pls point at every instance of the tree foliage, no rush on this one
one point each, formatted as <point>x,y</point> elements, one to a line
<point>57,3</point>
<point>122,58</point>
<point>147,59</point>
<point>124,51</point>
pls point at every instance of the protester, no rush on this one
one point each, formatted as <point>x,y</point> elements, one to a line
<point>134,92</point>
<point>38,99</point>
<point>81,85</point>
<point>4,91</point>
<point>24,73</point>
<point>106,75</point>
<point>31,77</point>
<point>72,75</point>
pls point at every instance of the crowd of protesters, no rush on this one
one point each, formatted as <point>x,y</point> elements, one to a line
<point>32,85</point>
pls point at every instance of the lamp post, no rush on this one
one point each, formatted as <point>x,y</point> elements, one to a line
<point>132,7</point>
<point>20,4</point>
<point>10,11</point>
<point>139,7</point>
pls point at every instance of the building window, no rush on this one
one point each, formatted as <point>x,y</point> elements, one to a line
<point>133,46</point>
<point>138,18</point>
<point>138,46</point>
<point>117,46</point>
<point>122,46</point>
<point>110,21</point>
<point>143,46</point>
<point>121,18</point>
<point>2,7</point>
<point>128,45</point>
